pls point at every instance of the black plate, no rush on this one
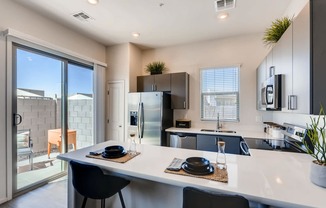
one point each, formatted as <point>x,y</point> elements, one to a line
<point>190,171</point>
<point>202,169</point>
<point>105,155</point>
<point>197,163</point>
<point>114,150</point>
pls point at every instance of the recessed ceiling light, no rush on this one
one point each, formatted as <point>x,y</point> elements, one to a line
<point>223,16</point>
<point>135,34</point>
<point>93,1</point>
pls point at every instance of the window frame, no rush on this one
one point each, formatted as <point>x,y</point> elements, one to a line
<point>236,93</point>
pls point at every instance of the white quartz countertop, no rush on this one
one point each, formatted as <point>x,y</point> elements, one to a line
<point>270,177</point>
<point>244,134</point>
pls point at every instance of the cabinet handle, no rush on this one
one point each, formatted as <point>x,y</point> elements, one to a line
<point>292,102</point>
<point>271,71</point>
<point>184,104</point>
<point>152,87</point>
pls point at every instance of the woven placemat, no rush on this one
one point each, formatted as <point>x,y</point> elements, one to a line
<point>218,175</point>
<point>123,159</point>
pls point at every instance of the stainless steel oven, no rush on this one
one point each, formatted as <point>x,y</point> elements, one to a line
<point>271,93</point>
<point>292,140</point>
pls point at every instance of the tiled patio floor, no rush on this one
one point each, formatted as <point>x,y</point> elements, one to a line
<point>43,168</point>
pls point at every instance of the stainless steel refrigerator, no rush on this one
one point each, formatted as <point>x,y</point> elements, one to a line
<point>150,113</point>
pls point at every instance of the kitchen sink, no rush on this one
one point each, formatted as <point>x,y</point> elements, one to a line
<point>208,130</point>
<point>226,131</point>
<point>220,131</point>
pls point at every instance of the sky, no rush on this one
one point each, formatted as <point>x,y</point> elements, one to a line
<point>40,72</point>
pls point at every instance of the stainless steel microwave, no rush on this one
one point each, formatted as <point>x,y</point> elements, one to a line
<point>271,93</point>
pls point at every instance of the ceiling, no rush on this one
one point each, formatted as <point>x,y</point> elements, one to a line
<point>160,23</point>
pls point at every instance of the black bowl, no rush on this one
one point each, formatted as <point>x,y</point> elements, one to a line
<point>197,163</point>
<point>114,150</point>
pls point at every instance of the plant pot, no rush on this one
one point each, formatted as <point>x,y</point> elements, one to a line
<point>318,174</point>
<point>153,73</point>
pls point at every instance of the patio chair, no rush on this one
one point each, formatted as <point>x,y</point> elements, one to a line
<point>25,145</point>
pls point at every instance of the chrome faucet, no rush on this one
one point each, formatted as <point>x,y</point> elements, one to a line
<point>218,125</point>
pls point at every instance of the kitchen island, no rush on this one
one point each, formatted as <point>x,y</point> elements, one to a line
<point>268,177</point>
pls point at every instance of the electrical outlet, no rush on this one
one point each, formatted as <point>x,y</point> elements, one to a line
<point>259,119</point>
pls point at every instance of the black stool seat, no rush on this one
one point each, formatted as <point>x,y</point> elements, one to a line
<point>196,198</point>
<point>91,182</point>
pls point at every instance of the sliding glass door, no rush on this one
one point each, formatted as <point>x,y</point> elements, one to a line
<point>80,104</point>
<point>53,113</point>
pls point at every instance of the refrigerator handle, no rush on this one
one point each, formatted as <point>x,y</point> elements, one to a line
<point>140,122</point>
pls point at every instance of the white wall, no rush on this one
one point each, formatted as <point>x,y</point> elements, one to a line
<point>15,16</point>
<point>248,51</point>
<point>295,7</point>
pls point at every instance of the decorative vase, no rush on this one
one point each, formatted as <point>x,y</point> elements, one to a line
<point>318,174</point>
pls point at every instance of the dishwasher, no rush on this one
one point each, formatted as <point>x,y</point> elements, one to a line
<point>183,140</point>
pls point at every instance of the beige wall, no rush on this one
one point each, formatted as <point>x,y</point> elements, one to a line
<point>135,67</point>
<point>248,51</point>
<point>124,63</point>
<point>118,62</point>
<point>15,16</point>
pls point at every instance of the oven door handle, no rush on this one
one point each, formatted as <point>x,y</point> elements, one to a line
<point>244,148</point>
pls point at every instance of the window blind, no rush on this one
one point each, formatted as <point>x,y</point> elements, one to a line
<point>220,93</point>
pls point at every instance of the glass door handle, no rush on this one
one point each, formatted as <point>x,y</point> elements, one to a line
<point>17,119</point>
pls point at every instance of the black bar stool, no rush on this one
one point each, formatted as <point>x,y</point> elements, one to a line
<point>196,198</point>
<point>91,182</point>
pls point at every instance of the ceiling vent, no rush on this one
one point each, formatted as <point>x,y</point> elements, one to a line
<point>221,5</point>
<point>82,16</point>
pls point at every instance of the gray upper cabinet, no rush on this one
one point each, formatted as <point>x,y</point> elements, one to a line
<point>175,83</point>
<point>179,90</point>
<point>159,82</point>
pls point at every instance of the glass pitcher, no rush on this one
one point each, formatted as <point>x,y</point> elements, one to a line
<point>221,157</point>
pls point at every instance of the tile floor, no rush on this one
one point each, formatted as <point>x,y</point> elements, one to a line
<point>51,195</point>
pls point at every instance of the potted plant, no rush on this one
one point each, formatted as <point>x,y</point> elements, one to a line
<point>317,136</point>
<point>156,67</point>
<point>276,30</point>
